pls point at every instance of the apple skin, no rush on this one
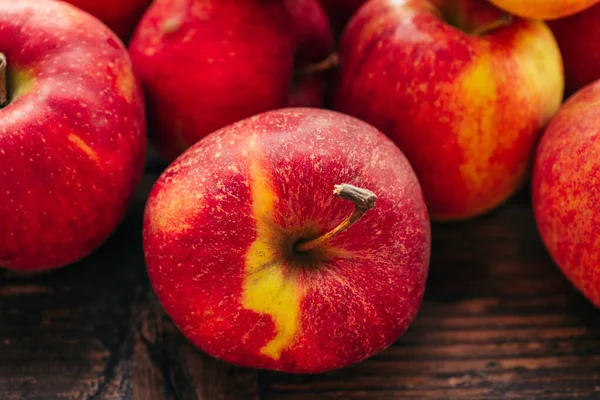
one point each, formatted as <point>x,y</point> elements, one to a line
<point>119,15</point>
<point>221,221</point>
<point>466,110</point>
<point>579,39</point>
<point>566,189</point>
<point>72,138</point>
<point>205,65</point>
<point>544,9</point>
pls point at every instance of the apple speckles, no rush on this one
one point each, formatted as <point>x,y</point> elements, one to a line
<point>150,51</point>
<point>566,189</point>
<point>171,25</point>
<point>202,9</point>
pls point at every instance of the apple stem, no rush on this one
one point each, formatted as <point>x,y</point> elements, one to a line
<point>363,199</point>
<point>3,88</point>
<point>332,61</point>
<point>484,29</point>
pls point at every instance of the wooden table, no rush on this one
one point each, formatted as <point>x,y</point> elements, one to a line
<point>498,321</point>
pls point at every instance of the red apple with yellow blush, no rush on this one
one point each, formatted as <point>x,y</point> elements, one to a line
<point>578,37</point>
<point>119,15</point>
<point>461,88</point>
<point>260,265</point>
<point>72,134</point>
<point>566,189</point>
<point>207,64</point>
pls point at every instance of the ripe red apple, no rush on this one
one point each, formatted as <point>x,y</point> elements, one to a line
<point>579,39</point>
<point>207,64</point>
<point>462,90</point>
<point>544,9</point>
<point>340,11</point>
<point>228,238</point>
<point>566,189</point>
<point>120,15</point>
<point>72,136</point>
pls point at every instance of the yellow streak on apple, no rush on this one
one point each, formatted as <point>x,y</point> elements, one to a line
<point>125,83</point>
<point>477,128</point>
<point>480,126</point>
<point>267,289</point>
<point>21,80</point>
<point>80,144</point>
<point>541,65</point>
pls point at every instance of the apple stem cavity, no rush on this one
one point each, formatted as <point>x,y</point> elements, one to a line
<point>331,62</point>
<point>364,200</point>
<point>3,88</point>
<point>484,29</point>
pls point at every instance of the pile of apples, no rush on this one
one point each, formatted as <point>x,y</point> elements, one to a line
<point>440,107</point>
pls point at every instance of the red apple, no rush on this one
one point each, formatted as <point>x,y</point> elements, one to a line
<point>579,39</point>
<point>340,11</point>
<point>462,90</point>
<point>228,236</point>
<point>72,136</point>
<point>207,64</point>
<point>544,9</point>
<point>566,189</point>
<point>120,15</point>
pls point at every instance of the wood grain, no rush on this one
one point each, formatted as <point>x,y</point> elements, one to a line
<point>498,321</point>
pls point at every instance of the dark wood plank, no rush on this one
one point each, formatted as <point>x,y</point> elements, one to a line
<point>166,366</point>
